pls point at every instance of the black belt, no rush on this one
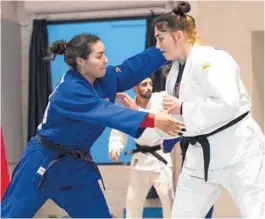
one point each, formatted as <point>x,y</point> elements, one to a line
<point>147,149</point>
<point>202,139</point>
<point>77,154</point>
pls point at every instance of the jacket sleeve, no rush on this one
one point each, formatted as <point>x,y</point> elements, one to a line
<point>135,69</point>
<point>78,102</point>
<point>117,139</point>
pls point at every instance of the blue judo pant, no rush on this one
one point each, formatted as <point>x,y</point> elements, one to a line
<point>167,147</point>
<point>71,184</point>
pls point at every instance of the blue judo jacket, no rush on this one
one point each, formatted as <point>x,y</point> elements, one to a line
<point>78,113</point>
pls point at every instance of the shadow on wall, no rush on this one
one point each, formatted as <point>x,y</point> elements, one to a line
<point>257,49</point>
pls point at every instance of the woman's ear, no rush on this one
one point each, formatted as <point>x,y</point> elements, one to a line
<point>178,35</point>
<point>79,61</point>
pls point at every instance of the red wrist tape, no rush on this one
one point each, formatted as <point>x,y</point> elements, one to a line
<point>149,121</point>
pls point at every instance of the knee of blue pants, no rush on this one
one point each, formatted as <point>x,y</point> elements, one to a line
<point>98,209</point>
<point>85,201</point>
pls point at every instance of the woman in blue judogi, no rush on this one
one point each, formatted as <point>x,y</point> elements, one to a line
<point>56,163</point>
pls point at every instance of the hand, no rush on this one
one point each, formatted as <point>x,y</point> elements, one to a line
<point>114,154</point>
<point>169,125</point>
<point>126,101</point>
<point>171,104</point>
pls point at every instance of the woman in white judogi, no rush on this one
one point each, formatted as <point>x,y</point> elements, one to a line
<point>208,96</point>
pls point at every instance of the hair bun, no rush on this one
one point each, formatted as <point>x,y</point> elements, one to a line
<point>58,47</point>
<point>182,8</point>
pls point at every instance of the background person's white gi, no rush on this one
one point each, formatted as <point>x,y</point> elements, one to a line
<point>146,170</point>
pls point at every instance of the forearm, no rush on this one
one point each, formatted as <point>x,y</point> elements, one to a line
<point>139,67</point>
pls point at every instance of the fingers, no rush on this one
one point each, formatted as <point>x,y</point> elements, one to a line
<point>168,124</point>
<point>176,128</point>
<point>120,97</point>
<point>166,106</point>
<point>168,98</point>
<point>171,104</point>
<point>128,99</point>
<point>168,101</point>
<point>171,109</point>
<point>174,132</point>
<point>114,159</point>
<point>177,123</point>
<point>126,96</point>
<point>114,155</point>
<point>126,103</point>
<point>124,99</point>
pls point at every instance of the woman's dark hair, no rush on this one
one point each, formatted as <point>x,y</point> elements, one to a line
<point>178,20</point>
<point>79,46</point>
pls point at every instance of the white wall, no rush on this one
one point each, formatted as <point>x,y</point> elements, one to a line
<point>85,6</point>
<point>257,38</point>
<point>8,10</point>
<point>11,104</point>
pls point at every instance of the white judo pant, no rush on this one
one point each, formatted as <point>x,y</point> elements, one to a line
<point>244,182</point>
<point>140,183</point>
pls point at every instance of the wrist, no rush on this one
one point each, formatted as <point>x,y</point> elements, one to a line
<point>134,108</point>
<point>149,121</point>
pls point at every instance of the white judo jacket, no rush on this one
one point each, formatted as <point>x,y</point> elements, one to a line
<point>214,95</point>
<point>149,137</point>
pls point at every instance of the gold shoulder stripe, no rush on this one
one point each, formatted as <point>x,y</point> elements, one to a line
<point>205,66</point>
<point>117,69</point>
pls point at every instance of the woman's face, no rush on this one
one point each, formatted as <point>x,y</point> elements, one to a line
<point>96,63</point>
<point>171,44</point>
